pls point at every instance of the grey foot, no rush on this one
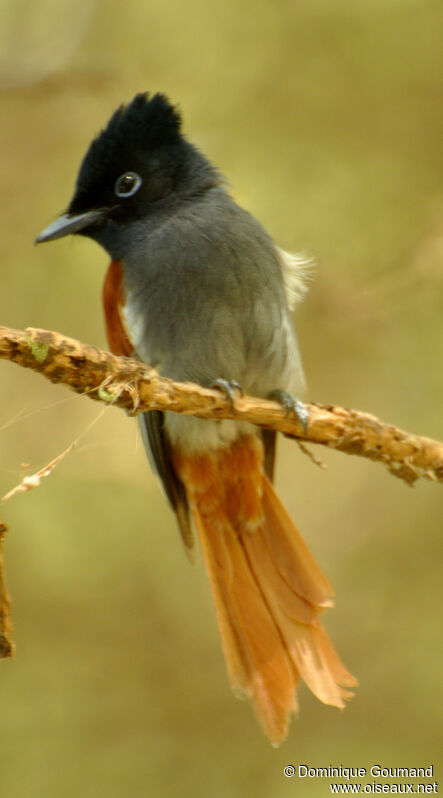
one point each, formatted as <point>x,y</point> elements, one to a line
<point>292,405</point>
<point>228,387</point>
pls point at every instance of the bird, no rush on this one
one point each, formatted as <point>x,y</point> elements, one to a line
<point>197,289</point>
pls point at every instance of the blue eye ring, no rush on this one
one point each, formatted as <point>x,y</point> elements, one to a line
<point>127,184</point>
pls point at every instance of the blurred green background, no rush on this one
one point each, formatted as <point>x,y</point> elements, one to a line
<point>326,118</point>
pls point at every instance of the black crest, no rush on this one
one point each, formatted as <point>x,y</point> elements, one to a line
<point>134,133</point>
<point>146,122</point>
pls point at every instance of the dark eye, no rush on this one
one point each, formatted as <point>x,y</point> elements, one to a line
<point>128,184</point>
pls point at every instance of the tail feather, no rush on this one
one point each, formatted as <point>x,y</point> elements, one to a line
<point>291,554</point>
<point>217,561</point>
<point>341,674</point>
<point>257,663</point>
<point>296,618</point>
<point>268,589</point>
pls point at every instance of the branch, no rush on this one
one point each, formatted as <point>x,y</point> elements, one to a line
<point>136,387</point>
<point>6,644</point>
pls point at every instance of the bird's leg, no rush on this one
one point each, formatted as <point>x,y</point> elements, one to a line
<point>292,405</point>
<point>228,387</point>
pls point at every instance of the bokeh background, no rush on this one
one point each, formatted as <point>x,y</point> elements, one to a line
<point>326,118</point>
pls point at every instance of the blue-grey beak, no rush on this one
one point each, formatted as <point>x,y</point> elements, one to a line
<point>70,223</point>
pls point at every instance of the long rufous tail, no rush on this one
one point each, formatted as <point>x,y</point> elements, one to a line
<point>268,589</point>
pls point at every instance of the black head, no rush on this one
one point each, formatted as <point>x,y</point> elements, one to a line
<point>138,165</point>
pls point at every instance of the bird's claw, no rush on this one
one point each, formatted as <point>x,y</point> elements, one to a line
<point>292,405</point>
<point>228,388</point>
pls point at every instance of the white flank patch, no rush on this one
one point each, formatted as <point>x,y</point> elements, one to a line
<point>297,273</point>
<point>134,323</point>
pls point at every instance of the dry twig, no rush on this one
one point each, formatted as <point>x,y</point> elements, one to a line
<point>135,387</point>
<point>6,644</point>
<point>28,482</point>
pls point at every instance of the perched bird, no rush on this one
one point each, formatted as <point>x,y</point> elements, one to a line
<point>199,290</point>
